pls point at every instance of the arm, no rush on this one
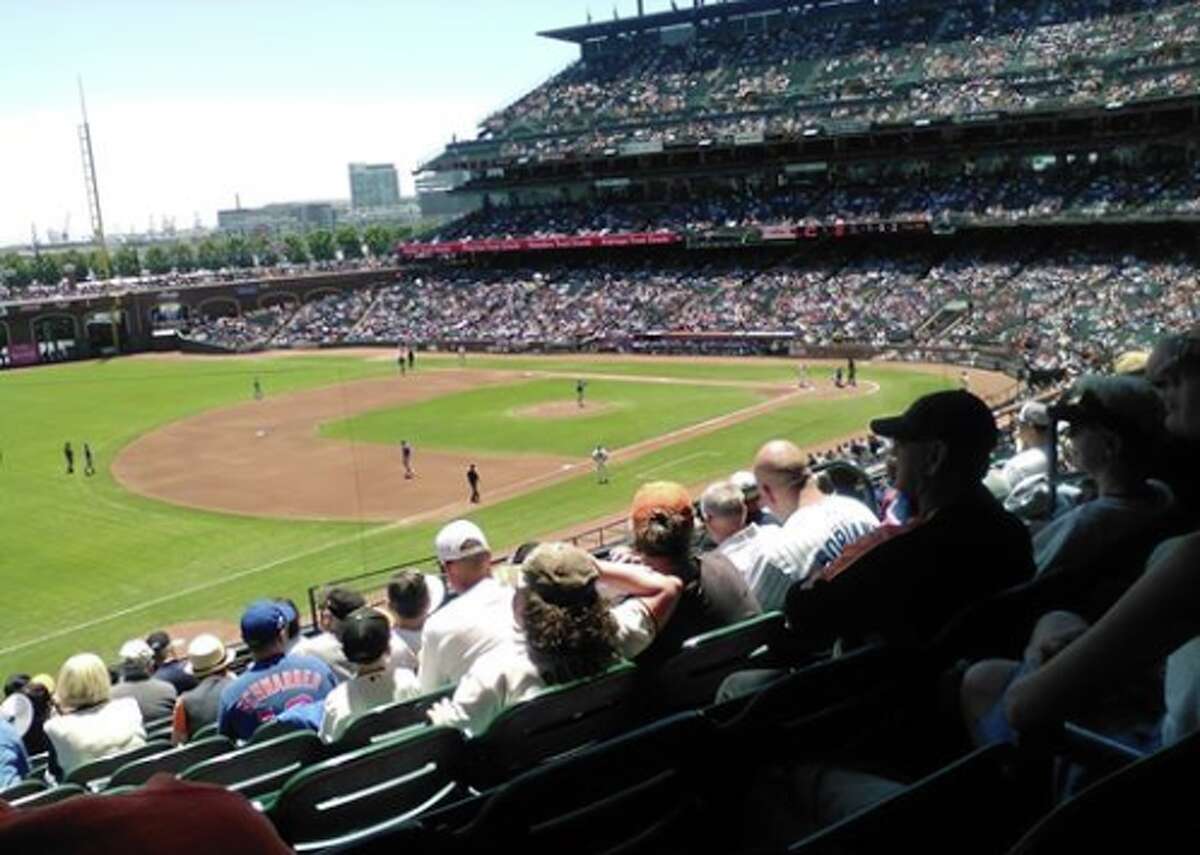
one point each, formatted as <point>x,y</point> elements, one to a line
<point>658,592</point>
<point>1155,616</point>
<point>428,670</point>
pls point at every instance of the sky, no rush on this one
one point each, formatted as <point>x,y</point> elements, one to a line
<point>194,102</point>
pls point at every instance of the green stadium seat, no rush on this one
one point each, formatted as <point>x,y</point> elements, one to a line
<point>51,796</point>
<point>272,730</point>
<point>26,788</point>
<point>383,722</point>
<point>691,677</point>
<point>561,720</point>
<point>95,775</point>
<point>261,768</point>
<point>173,760</point>
<point>371,789</point>
<point>205,732</point>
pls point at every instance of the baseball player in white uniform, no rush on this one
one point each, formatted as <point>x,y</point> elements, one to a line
<point>600,458</point>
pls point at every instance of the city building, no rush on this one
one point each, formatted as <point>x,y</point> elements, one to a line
<point>278,218</point>
<point>374,185</point>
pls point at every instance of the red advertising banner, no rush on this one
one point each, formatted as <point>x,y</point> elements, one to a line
<point>487,245</point>
<point>23,354</point>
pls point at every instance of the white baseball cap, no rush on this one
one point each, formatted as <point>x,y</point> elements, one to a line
<point>136,653</point>
<point>746,482</point>
<point>1034,413</point>
<point>460,539</point>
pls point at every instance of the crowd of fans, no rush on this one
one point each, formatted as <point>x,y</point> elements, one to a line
<point>845,559</point>
<point>895,65</point>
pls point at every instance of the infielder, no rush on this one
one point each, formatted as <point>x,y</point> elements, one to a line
<point>580,386</point>
<point>600,458</point>
<point>89,464</point>
<point>406,454</point>
<point>258,392</point>
<point>473,483</point>
<point>69,454</point>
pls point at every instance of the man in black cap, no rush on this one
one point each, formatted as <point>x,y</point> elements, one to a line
<point>907,582</point>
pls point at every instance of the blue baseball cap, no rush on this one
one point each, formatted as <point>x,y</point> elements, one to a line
<point>262,622</point>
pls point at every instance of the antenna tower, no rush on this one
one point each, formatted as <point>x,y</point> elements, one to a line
<point>89,174</point>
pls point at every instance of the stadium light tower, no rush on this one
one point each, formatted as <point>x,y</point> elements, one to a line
<point>89,173</point>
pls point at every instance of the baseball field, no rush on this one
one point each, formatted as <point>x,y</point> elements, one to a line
<point>204,498</point>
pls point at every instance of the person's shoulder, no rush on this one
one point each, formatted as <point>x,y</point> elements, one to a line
<point>303,660</point>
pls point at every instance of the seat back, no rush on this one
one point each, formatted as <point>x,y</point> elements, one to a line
<point>555,722</point>
<point>1149,796</point>
<point>372,788</point>
<point>383,722</point>
<point>204,732</point>
<point>94,775</point>
<point>272,730</point>
<point>642,792</point>
<point>691,677</point>
<point>260,768</point>
<point>25,788</point>
<point>173,760</point>
<point>975,790</point>
<point>53,795</point>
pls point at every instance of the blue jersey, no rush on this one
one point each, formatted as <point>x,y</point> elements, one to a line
<point>268,688</point>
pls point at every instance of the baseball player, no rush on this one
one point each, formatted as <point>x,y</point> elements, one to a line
<point>600,458</point>
<point>462,355</point>
<point>964,380</point>
<point>473,483</point>
<point>258,392</point>
<point>406,454</point>
<point>69,454</point>
<point>412,359</point>
<point>851,372</point>
<point>837,378</point>
<point>400,361</point>
<point>580,386</point>
<point>89,464</point>
<point>802,376</point>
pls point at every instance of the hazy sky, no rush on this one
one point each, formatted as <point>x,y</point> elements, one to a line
<point>192,101</point>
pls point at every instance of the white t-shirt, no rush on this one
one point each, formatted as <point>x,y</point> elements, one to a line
<point>1026,464</point>
<point>463,630</point>
<point>815,535</point>
<point>1093,527</point>
<point>372,688</point>
<point>406,647</point>
<point>92,734</point>
<point>752,552</point>
<point>505,676</point>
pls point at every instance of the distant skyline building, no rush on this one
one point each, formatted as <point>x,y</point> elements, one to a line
<point>374,185</point>
<point>278,218</point>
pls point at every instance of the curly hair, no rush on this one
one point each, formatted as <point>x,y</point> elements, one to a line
<point>569,643</point>
<point>665,534</point>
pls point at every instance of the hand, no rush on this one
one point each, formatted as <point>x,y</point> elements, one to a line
<point>1045,649</point>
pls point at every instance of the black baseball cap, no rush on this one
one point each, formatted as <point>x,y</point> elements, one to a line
<point>957,418</point>
<point>365,635</point>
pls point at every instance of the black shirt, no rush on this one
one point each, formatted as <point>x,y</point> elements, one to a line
<point>908,587</point>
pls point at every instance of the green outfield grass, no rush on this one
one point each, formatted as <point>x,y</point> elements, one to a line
<point>88,565</point>
<point>492,419</point>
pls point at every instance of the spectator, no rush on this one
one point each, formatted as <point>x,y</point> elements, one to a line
<point>1115,430</point>
<point>337,605</point>
<point>478,619</point>
<point>292,615</point>
<point>1070,667</point>
<point>412,597</point>
<point>170,661</point>
<point>755,512</point>
<point>906,583</point>
<point>155,698</point>
<point>200,706</point>
<point>148,819</point>
<point>365,637</point>
<point>14,683</point>
<point>91,724</point>
<point>1033,443</point>
<point>567,632</point>
<point>714,592</point>
<point>817,525</point>
<point>40,691</point>
<point>262,693</point>
<point>746,545</point>
<point>14,761</point>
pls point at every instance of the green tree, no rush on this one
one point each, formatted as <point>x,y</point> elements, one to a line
<point>320,245</point>
<point>183,257</point>
<point>126,262</point>
<point>210,255</point>
<point>237,251</point>
<point>45,269</point>
<point>158,260</point>
<point>294,249</point>
<point>265,253</point>
<point>349,242</point>
<point>379,241</point>
<point>100,264</point>
<point>74,265</point>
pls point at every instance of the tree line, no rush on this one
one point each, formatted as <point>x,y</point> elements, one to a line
<point>210,253</point>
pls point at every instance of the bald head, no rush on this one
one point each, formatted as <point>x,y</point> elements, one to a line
<point>782,472</point>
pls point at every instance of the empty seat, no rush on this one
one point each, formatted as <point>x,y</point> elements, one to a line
<point>50,796</point>
<point>561,719</point>
<point>362,792</point>
<point>172,760</point>
<point>25,788</point>
<point>95,775</point>
<point>691,677</point>
<point>260,768</point>
<point>383,722</point>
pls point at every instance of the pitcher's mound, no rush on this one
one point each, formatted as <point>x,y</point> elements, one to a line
<point>563,410</point>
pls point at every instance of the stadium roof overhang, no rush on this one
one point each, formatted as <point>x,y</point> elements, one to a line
<point>692,15</point>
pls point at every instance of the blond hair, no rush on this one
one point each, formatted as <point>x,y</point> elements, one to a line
<point>83,682</point>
